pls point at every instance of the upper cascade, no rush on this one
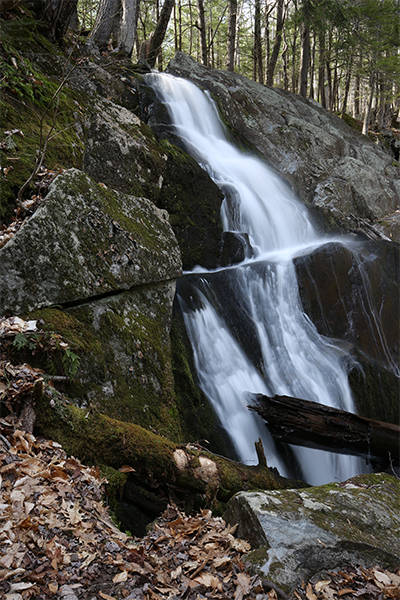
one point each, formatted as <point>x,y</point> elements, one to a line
<point>257,201</point>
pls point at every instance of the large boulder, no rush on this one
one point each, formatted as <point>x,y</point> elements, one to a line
<point>122,152</point>
<point>99,267</point>
<point>330,166</point>
<point>85,241</point>
<point>300,533</point>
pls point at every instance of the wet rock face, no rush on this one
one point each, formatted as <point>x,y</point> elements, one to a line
<point>123,153</point>
<point>300,533</point>
<point>352,293</point>
<point>330,166</point>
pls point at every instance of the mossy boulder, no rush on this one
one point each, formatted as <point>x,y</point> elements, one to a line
<point>300,533</point>
<point>29,102</point>
<point>85,241</point>
<point>124,346</point>
<point>124,153</point>
<point>109,262</point>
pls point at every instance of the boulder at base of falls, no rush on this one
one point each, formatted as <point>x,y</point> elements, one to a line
<point>352,293</point>
<point>300,533</point>
<point>330,166</point>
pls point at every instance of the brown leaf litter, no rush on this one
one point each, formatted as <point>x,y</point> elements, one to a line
<point>56,537</point>
<point>56,532</point>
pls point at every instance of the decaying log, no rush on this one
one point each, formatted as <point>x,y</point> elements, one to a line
<point>158,463</point>
<point>305,423</point>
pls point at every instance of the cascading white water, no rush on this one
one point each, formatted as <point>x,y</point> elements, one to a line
<point>295,359</point>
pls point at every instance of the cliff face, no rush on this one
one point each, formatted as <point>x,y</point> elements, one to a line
<point>98,260</point>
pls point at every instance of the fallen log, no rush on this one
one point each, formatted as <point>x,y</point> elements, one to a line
<point>158,464</point>
<point>305,423</point>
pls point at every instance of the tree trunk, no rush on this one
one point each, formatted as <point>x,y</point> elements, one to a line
<point>329,82</point>
<point>257,42</point>
<point>159,463</point>
<point>211,40</point>
<point>159,32</point>
<point>304,60</point>
<point>190,28</point>
<point>104,23</point>
<point>230,53</point>
<point>367,114</point>
<point>266,36</point>
<point>280,19</point>
<point>312,70</point>
<point>128,25</point>
<point>285,65</point>
<point>306,423</point>
<point>293,48</point>
<point>321,71</point>
<point>57,16</point>
<point>346,87</point>
<point>335,89</point>
<point>202,28</point>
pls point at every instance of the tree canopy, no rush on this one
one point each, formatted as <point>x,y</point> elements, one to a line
<point>345,54</point>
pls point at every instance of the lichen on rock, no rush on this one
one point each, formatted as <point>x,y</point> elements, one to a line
<point>83,242</point>
<point>304,532</point>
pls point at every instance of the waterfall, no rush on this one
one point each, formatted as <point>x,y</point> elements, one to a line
<point>277,349</point>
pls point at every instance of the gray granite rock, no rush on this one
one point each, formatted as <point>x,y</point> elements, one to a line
<point>85,241</point>
<point>300,533</point>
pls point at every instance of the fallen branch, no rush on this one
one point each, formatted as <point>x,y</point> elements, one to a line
<point>305,423</point>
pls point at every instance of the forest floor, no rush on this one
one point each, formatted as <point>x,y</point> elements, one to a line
<point>57,540</point>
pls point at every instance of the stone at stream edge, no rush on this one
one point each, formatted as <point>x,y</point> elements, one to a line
<point>300,533</point>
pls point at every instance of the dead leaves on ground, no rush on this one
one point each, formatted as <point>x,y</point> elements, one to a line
<point>56,537</point>
<point>52,519</point>
<point>54,530</point>
<point>353,582</point>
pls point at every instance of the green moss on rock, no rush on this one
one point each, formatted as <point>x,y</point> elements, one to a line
<point>27,93</point>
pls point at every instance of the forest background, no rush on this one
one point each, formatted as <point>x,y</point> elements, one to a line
<point>345,54</point>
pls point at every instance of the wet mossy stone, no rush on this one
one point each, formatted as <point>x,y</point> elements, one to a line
<point>32,68</point>
<point>85,241</point>
<point>303,532</point>
<point>123,343</point>
<point>123,152</point>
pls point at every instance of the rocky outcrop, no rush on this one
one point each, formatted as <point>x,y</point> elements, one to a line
<point>331,167</point>
<point>300,533</point>
<point>108,262</point>
<point>85,241</point>
<point>123,153</point>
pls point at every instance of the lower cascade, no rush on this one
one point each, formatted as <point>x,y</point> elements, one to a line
<point>246,324</point>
